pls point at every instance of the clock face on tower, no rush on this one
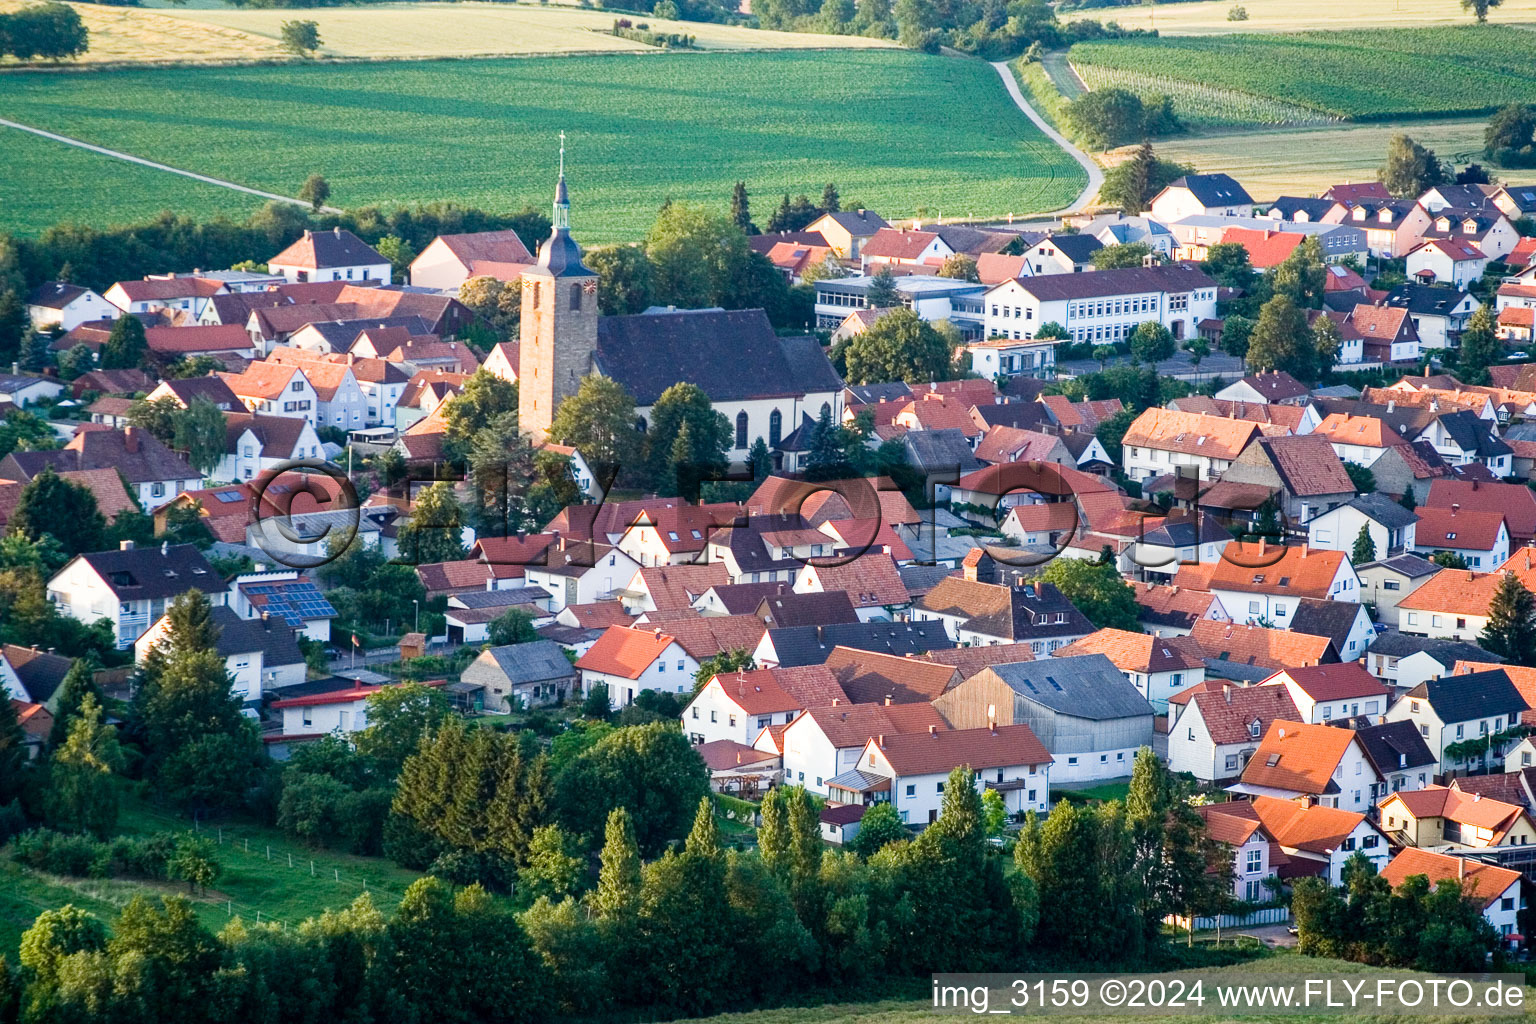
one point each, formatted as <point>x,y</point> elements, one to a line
<point>590,287</point>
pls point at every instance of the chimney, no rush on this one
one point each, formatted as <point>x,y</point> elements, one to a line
<point>337,229</point>
<point>933,731</point>
<point>880,740</point>
<point>1476,797</point>
<point>125,545</point>
<point>738,757</point>
<point>887,701</point>
<point>821,634</point>
<point>834,702</point>
<point>130,440</point>
<point>1226,691</point>
<point>1455,508</point>
<point>1461,867</point>
<point>1303,549</point>
<point>656,632</point>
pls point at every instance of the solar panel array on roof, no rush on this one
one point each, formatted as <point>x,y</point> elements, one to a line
<point>295,600</point>
<point>228,497</point>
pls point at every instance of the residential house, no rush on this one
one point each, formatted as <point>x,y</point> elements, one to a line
<point>628,660</point>
<point>1480,537</point>
<point>1400,756</point>
<point>1256,854</point>
<point>1497,889</point>
<point>153,472</point>
<point>1061,254</point>
<point>1157,666</point>
<point>1173,611</point>
<point>1446,820</point>
<point>1305,474</point>
<point>256,444</point>
<point>847,231</point>
<point>33,675</point>
<point>286,594</point>
<point>261,655</point>
<point>1439,314</point>
<point>739,705</point>
<point>981,614</point>
<point>673,588</point>
<point>337,707</point>
<point>872,677</point>
<point>275,389</point>
<point>55,305</point>
<point>1452,604</point>
<point>1404,661</point>
<point>450,260</point>
<point>578,572</point>
<point>1387,334</point>
<point>1310,764</point>
<point>822,743</point>
<point>1160,441</point>
<point>1315,840</point>
<point>187,390</point>
<point>1085,712</point>
<point>1195,194</point>
<point>1392,226</point>
<point>1102,307</point>
<point>19,390</point>
<point>1515,502</point>
<point>911,770</point>
<point>1276,387</point>
<point>1347,624</point>
<point>1256,652</point>
<point>335,255</point>
<point>380,382</point>
<point>812,645</point>
<point>1481,226</point>
<point>1447,261</point>
<point>1458,713</point>
<point>1389,525</point>
<point>527,675</point>
<point>227,343</point>
<point>1259,584</point>
<point>1214,732</point>
<point>871,581</point>
<point>132,586</point>
<point>1329,693</point>
<point>171,293</point>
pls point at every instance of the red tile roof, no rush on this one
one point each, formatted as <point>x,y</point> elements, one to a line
<point>941,751</point>
<point>1229,710</point>
<point>1342,681</point>
<point>1139,652</point>
<point>1489,882</point>
<point>1457,528</point>
<point>1300,571</point>
<point>1515,502</point>
<point>1274,649</point>
<point>767,690</point>
<point>625,651</point>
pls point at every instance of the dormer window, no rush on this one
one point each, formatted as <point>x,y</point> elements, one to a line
<point>1254,728</point>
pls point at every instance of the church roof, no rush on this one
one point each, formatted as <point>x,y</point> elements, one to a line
<point>733,355</point>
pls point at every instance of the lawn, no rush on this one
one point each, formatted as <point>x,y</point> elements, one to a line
<point>898,131</point>
<point>1311,77</point>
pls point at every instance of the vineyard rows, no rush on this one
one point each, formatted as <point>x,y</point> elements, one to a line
<point>1200,105</point>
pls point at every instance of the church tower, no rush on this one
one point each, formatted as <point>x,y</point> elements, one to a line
<point>559,321</point>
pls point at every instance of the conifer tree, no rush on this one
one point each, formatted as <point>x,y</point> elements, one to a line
<point>79,683</point>
<point>1365,548</point>
<point>704,838</point>
<point>81,794</point>
<point>618,880</point>
<point>804,836</point>
<point>773,840</point>
<point>1511,630</point>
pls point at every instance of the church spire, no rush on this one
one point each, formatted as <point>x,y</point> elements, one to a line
<point>562,218</point>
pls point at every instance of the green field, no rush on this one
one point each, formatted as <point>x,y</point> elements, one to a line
<point>900,132</point>
<point>264,873</point>
<point>1309,78</point>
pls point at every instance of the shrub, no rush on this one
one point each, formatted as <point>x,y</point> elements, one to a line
<point>1238,13</point>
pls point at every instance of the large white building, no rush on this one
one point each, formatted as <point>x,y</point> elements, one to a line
<point>1101,306</point>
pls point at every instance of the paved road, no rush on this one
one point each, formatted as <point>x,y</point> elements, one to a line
<point>129,157</point>
<point>1095,172</point>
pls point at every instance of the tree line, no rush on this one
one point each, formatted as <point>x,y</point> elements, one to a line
<point>51,31</point>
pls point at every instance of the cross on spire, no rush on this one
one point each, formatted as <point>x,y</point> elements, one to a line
<point>562,154</point>
<point>562,211</point>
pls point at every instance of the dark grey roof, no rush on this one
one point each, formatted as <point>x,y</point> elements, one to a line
<point>1446,652</point>
<point>1472,696</point>
<point>275,639</point>
<point>1220,668</point>
<point>919,579</point>
<point>1384,510</point>
<point>340,248</point>
<point>1088,686</point>
<point>341,335</point>
<point>1214,189</point>
<point>817,609</point>
<point>497,598</point>
<point>148,573</point>
<point>210,388</point>
<point>1473,434</point>
<point>1333,619</point>
<point>533,662</point>
<point>1025,415</point>
<point>1425,300</point>
<point>1180,533</point>
<point>872,394</point>
<point>1289,206</point>
<point>932,451</point>
<point>1174,277</point>
<point>1032,606</point>
<point>40,672</point>
<point>858,222</point>
<point>1407,420</point>
<point>55,294</point>
<point>235,308</point>
<point>1077,248</point>
<point>733,355</point>
<point>1394,746</point>
<point>812,645</point>
<point>1523,196</point>
<point>1410,565</point>
<point>569,636</point>
<point>1337,390</point>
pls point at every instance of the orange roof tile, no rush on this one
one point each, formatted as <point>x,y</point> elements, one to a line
<point>1139,652</point>
<point>1366,431</point>
<point>1273,649</point>
<point>1454,805</point>
<point>1454,592</point>
<point>1191,433</point>
<point>1297,757</point>
<point>1300,571</point>
<point>869,677</point>
<point>1489,882</point>
<point>854,725</point>
<point>625,651</point>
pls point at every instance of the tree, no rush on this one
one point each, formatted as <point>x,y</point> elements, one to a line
<point>499,303</point>
<point>1081,862</point>
<point>1302,275</point>
<point>200,432</point>
<point>50,506</point>
<point>1361,477</point>
<point>1326,342</point>
<point>1511,630</point>
<point>76,362</point>
<point>125,346</point>
<point>1480,347</point>
<point>303,38</point>
<point>879,827</point>
<point>741,209</point>
<point>625,279</point>
<point>1411,169</point>
<point>831,202</point>
<point>829,269</point>
<point>484,397</point>
<point>157,417</point>
<point>398,718</point>
<point>1096,590</point>
<point>1479,8</point>
<point>14,753</point>
<point>194,861</point>
<point>1130,184</point>
<point>52,31</point>
<point>900,346</point>
<point>1448,560</point>
<point>400,253</point>
<point>1106,118</point>
<point>435,530</point>
<point>1281,340</point>
<point>1229,264</point>
<point>1510,130</point>
<point>994,813</point>
<point>1125,254</point>
<point>959,267</point>
<point>724,663</point>
<point>1178,866</point>
<point>650,770</point>
<point>57,935</point>
<point>79,683</point>
<point>618,879</point>
<point>81,795</point>
<point>554,871</point>
<point>1151,343</point>
<point>599,421</point>
<point>881,293</point>
<point>698,257</point>
<point>684,410</point>
<point>514,626</point>
<point>596,704</point>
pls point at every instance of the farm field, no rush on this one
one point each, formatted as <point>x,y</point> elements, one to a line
<point>81,185</point>
<point>896,131</point>
<point>1315,76</point>
<point>216,34</point>
<point>1209,17</point>
<point>1305,162</point>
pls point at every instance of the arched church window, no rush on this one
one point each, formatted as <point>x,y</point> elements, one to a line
<point>576,296</point>
<point>741,430</point>
<point>775,428</point>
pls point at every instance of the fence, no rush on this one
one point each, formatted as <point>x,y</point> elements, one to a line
<point>1268,915</point>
